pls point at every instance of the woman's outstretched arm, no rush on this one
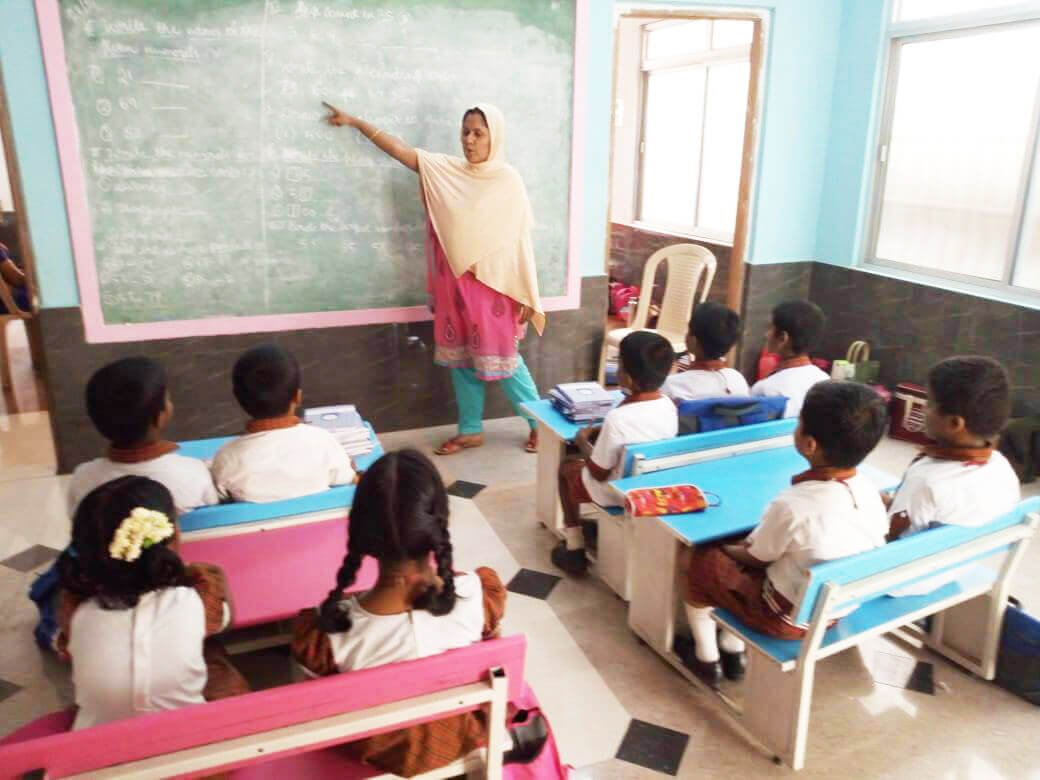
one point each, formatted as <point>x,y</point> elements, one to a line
<point>394,147</point>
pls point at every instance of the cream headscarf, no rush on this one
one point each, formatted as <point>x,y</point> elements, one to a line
<point>483,219</point>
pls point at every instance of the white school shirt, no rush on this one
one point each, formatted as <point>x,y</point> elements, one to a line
<point>817,521</point>
<point>937,491</point>
<point>187,479</point>
<point>374,640</point>
<point>282,463</point>
<point>633,423</point>
<point>793,384</point>
<point>699,383</point>
<point>128,662</point>
<point>951,492</point>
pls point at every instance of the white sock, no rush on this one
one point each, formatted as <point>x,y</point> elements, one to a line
<point>704,633</point>
<point>575,538</point>
<point>730,642</point>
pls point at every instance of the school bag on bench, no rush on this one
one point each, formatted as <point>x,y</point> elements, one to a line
<point>714,414</point>
<point>1018,660</point>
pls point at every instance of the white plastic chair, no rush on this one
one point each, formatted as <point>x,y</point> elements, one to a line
<point>13,313</point>
<point>689,267</point>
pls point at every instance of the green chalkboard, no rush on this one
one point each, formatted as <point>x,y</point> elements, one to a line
<point>213,186</point>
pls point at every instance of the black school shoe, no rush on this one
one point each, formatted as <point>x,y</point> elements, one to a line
<point>529,734</point>
<point>709,672</point>
<point>734,665</point>
<point>573,562</point>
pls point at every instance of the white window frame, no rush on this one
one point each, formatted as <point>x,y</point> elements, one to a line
<point>937,28</point>
<point>729,55</point>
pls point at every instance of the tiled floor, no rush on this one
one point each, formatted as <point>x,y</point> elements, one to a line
<point>610,699</point>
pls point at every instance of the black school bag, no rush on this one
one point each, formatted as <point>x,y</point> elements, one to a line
<point>1018,660</point>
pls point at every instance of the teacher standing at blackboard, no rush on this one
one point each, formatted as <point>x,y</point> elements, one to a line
<point>480,264</point>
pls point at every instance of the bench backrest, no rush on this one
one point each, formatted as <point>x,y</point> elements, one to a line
<point>915,558</point>
<point>327,503</point>
<point>123,741</point>
<point>681,450</point>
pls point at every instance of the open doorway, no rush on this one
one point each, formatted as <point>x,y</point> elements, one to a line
<point>683,140</point>
<point>20,353</point>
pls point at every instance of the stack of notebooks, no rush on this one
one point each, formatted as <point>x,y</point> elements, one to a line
<point>345,424</point>
<point>582,401</point>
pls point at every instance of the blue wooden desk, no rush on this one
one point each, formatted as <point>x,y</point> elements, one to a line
<point>745,484</point>
<point>554,433</point>
<point>205,449</point>
<point>247,517</point>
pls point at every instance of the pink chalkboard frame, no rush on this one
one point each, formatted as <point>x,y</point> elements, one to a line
<point>98,331</point>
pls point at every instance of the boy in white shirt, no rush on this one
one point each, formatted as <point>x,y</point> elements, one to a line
<point>714,329</point>
<point>795,328</point>
<point>645,415</point>
<point>129,404</point>
<point>278,457</point>
<point>961,479</point>
<point>829,512</point>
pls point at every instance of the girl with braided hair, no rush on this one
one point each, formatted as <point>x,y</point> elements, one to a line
<point>417,608</point>
<point>136,621</point>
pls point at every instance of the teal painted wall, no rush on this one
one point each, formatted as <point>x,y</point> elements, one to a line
<point>33,140</point>
<point>845,203</point>
<point>790,194</point>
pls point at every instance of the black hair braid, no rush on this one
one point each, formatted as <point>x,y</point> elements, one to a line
<point>331,619</point>
<point>441,602</point>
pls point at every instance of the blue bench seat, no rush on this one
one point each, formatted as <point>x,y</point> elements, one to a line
<point>870,618</point>
<point>967,605</point>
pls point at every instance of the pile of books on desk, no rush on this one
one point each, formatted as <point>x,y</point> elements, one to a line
<point>582,401</point>
<point>345,424</point>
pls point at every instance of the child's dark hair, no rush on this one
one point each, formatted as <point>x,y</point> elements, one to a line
<point>477,112</point>
<point>975,388</point>
<point>802,321</point>
<point>400,514</point>
<point>847,419</point>
<point>647,358</point>
<point>125,398</point>
<point>716,328</point>
<point>265,380</point>
<point>87,568</point>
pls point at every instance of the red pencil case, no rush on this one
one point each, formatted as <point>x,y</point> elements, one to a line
<point>667,500</point>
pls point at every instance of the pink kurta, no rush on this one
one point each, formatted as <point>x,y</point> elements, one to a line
<point>473,326</point>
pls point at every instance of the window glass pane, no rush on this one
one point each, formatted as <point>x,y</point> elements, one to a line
<point>672,137</point>
<point>731,32</point>
<point>963,111</point>
<point>671,40</point>
<point>908,10</point>
<point>723,146</point>
<point>1027,271</point>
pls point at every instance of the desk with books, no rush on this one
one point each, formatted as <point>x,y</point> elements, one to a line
<point>555,432</point>
<point>744,483</point>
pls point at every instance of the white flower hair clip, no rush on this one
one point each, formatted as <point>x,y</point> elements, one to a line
<point>143,528</point>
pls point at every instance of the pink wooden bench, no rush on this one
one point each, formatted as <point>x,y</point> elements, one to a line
<point>273,573</point>
<point>284,732</point>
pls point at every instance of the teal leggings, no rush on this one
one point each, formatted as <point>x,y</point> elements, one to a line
<point>469,395</point>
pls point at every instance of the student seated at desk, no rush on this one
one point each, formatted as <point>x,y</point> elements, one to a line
<point>278,457</point>
<point>645,415</point>
<point>795,328</point>
<point>961,479</point>
<point>714,329</point>
<point>828,512</point>
<point>400,518</point>
<point>129,404</point>
<point>134,618</point>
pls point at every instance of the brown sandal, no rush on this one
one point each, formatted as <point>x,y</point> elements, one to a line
<point>457,444</point>
<point>531,445</point>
